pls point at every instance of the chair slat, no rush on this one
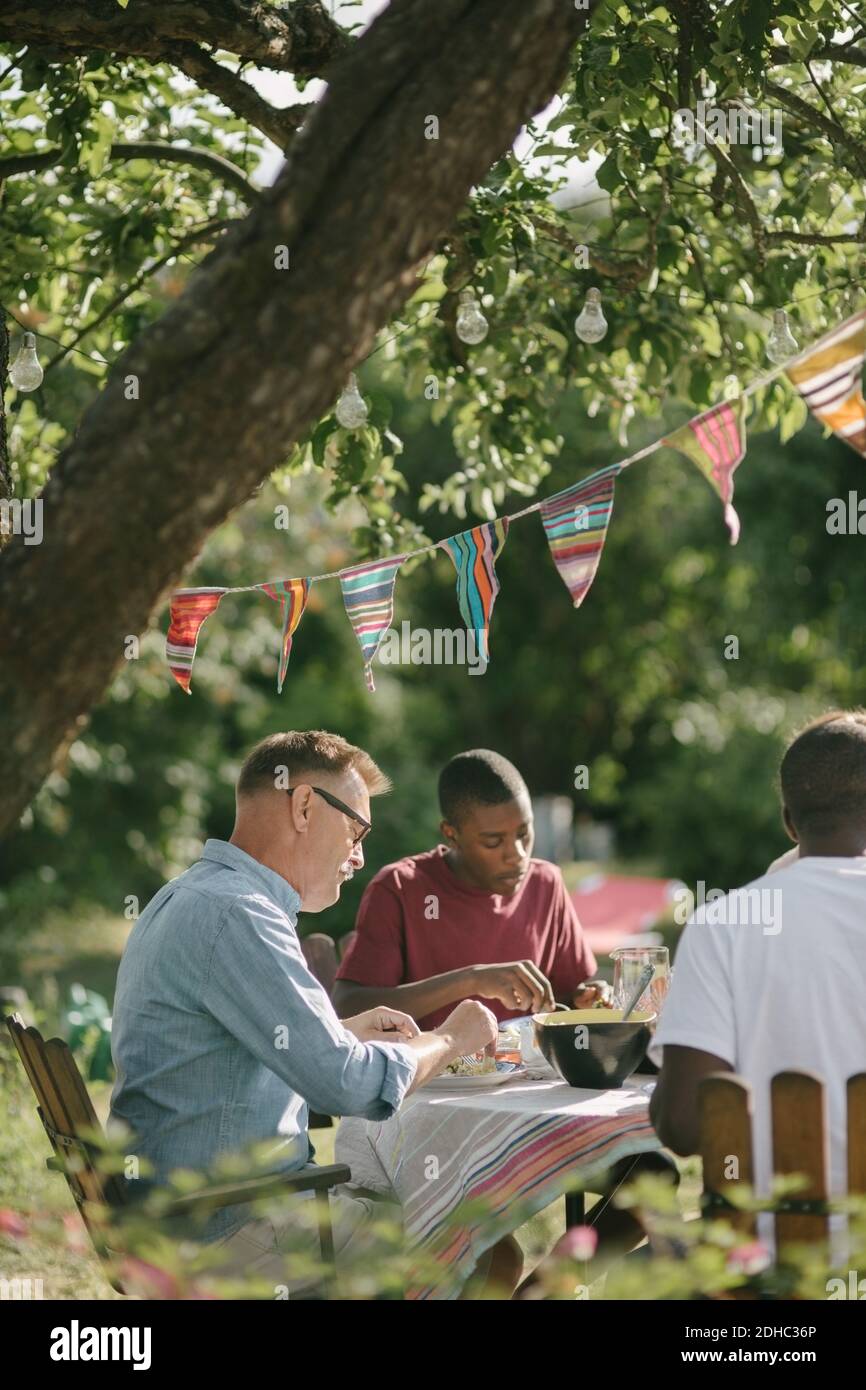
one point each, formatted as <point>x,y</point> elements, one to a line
<point>857,1133</point>
<point>111,1189</point>
<point>57,1108</point>
<point>800,1145</point>
<point>320,953</point>
<point>725,1103</point>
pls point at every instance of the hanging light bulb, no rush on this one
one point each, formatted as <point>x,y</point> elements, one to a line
<point>352,409</point>
<point>781,344</point>
<point>731,388</point>
<point>471,325</point>
<point>591,324</point>
<point>25,374</point>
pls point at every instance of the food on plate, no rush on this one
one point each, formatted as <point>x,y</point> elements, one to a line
<point>476,1065</point>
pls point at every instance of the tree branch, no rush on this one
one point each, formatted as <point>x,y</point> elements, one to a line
<point>147,149</point>
<point>836,134</point>
<point>300,38</point>
<point>251,355</point>
<point>194,238</point>
<point>278,125</point>
<point>779,56</point>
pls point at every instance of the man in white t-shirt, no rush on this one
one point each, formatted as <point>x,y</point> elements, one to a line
<point>772,977</point>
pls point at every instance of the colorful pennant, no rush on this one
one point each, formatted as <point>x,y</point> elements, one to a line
<point>291,595</point>
<point>189,609</point>
<point>716,442</point>
<point>829,380</point>
<point>474,554</point>
<point>575,522</point>
<point>368,593</point>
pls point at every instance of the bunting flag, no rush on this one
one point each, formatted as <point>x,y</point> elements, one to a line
<point>829,380</point>
<point>575,522</point>
<point>189,609</point>
<point>474,554</point>
<point>716,442</point>
<point>368,593</point>
<point>291,595</point>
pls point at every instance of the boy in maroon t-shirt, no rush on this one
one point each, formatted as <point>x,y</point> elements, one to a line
<point>475,918</point>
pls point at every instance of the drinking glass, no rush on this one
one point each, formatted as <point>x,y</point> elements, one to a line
<point>629,961</point>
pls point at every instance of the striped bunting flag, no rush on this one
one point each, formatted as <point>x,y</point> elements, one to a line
<point>829,380</point>
<point>474,554</point>
<point>575,522</point>
<point>368,593</point>
<point>716,442</point>
<point>291,595</point>
<point>189,609</point>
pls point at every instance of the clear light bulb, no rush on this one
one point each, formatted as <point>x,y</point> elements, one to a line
<point>731,388</point>
<point>781,344</point>
<point>591,324</point>
<point>472,326</point>
<point>352,409</point>
<point>25,374</point>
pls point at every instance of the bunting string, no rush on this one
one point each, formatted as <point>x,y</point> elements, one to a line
<point>827,374</point>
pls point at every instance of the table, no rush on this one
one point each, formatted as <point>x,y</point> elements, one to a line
<point>512,1149</point>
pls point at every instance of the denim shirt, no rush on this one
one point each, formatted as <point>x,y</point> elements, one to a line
<point>221,1037</point>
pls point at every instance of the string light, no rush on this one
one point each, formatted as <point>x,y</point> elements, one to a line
<point>352,409</point>
<point>781,343</point>
<point>472,326</point>
<point>26,374</point>
<point>591,324</point>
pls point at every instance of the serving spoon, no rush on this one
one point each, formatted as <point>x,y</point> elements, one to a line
<point>645,976</point>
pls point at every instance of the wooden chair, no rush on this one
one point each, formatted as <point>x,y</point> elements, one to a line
<point>320,953</point>
<point>800,1145</point>
<point>71,1123</point>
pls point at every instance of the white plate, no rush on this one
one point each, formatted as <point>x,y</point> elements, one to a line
<point>445,1080</point>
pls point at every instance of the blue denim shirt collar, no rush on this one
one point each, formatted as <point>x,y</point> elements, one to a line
<point>282,892</point>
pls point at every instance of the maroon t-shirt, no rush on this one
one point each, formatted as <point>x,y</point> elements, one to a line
<point>418,919</point>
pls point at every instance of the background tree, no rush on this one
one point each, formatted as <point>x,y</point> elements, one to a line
<point>119,175</point>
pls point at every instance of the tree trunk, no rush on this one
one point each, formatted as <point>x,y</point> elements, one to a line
<point>5,475</point>
<point>206,403</point>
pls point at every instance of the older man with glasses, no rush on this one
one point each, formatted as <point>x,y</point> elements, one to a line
<point>222,1038</point>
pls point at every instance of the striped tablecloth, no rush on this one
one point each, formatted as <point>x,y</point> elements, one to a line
<point>468,1167</point>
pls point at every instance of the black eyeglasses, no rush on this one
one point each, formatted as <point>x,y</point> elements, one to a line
<point>340,806</point>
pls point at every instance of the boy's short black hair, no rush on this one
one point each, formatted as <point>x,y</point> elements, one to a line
<point>479,777</point>
<point>823,774</point>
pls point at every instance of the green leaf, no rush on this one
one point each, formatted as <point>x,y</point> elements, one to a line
<point>608,175</point>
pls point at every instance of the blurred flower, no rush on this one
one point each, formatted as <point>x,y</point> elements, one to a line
<point>752,1258</point>
<point>578,1243</point>
<point>11,1224</point>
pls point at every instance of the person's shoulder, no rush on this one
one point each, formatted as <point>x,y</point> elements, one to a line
<point>543,874</point>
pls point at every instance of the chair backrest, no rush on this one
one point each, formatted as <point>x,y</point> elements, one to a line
<point>800,1139</point>
<point>70,1121</point>
<point>320,953</point>
<point>345,942</point>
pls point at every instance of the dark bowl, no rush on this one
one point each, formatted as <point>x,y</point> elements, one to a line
<point>592,1048</point>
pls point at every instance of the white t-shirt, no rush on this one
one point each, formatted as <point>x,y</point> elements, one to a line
<point>776,981</point>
